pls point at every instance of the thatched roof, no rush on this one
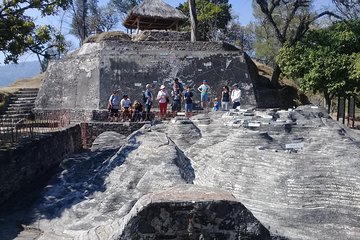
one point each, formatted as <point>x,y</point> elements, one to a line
<point>154,14</point>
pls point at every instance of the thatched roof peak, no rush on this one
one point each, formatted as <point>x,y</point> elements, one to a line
<point>157,8</point>
<point>155,12</point>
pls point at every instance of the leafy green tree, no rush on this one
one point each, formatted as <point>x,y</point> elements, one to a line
<point>289,20</point>
<point>212,15</point>
<point>326,60</point>
<point>18,32</point>
<point>54,49</point>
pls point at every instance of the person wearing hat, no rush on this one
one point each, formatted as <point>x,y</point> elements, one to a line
<point>235,96</point>
<point>113,105</point>
<point>163,99</point>
<point>204,96</point>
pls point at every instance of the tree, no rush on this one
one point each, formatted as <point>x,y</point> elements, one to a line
<point>265,44</point>
<point>108,18</point>
<point>241,36</point>
<point>18,32</point>
<point>350,9</point>
<point>88,18</point>
<point>123,6</point>
<point>102,19</point>
<point>53,49</point>
<point>79,23</point>
<point>326,60</point>
<point>212,15</point>
<point>290,20</point>
<point>193,20</point>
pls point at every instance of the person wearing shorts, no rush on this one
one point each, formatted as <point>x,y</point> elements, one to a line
<point>204,95</point>
<point>113,105</point>
<point>176,95</point>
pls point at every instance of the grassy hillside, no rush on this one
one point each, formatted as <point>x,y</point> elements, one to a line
<point>12,72</point>
<point>5,92</point>
<point>34,82</point>
<point>267,71</point>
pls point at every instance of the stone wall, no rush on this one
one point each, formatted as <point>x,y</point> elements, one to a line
<point>130,67</point>
<point>21,165</point>
<point>161,35</point>
<point>93,129</point>
<point>84,81</point>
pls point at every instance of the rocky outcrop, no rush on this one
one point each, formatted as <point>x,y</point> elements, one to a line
<point>295,170</point>
<point>190,212</point>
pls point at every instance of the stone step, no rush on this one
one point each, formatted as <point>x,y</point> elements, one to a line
<point>20,108</point>
<point>23,97</point>
<point>26,104</point>
<point>18,115</point>
<point>22,102</point>
<point>7,122</point>
<point>28,90</point>
<point>17,111</point>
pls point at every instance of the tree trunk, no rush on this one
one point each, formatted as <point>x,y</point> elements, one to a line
<point>193,20</point>
<point>275,76</point>
<point>327,101</point>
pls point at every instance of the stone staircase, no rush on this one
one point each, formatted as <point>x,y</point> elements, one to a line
<point>20,105</point>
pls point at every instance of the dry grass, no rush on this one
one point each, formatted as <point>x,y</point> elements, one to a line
<point>267,71</point>
<point>264,70</point>
<point>34,82</point>
<point>108,36</point>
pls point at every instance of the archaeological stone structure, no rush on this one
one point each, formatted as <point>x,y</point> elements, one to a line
<point>252,173</point>
<point>82,82</point>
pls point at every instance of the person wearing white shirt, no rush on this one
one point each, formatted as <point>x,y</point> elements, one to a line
<point>235,96</point>
<point>125,104</point>
<point>163,98</point>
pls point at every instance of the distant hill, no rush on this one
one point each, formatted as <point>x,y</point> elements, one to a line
<point>12,72</point>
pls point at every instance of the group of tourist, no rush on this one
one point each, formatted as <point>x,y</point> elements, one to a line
<point>137,111</point>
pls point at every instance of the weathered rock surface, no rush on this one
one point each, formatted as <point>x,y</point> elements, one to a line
<point>191,212</point>
<point>108,140</point>
<point>296,171</point>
